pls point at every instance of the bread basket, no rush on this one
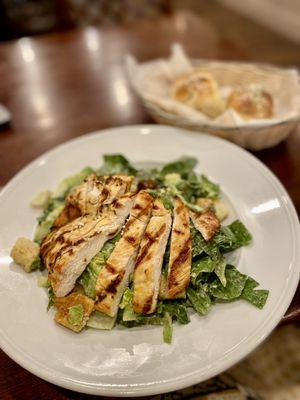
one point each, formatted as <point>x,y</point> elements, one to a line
<point>152,81</point>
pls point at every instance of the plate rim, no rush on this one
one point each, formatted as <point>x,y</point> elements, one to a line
<point>184,380</point>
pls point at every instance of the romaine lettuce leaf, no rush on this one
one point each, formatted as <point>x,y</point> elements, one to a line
<point>208,265</point>
<point>257,297</point>
<point>46,220</point>
<point>98,320</point>
<point>51,298</point>
<point>76,314</point>
<point>220,268</point>
<point>43,281</point>
<point>88,278</point>
<point>232,236</point>
<point>234,287</point>
<point>195,186</point>
<point>116,164</point>
<point>126,298</point>
<point>68,183</point>
<point>199,299</point>
<point>176,309</point>
<point>200,245</point>
<point>182,166</point>
<point>167,328</point>
<point>204,264</point>
<point>37,264</point>
<point>207,188</point>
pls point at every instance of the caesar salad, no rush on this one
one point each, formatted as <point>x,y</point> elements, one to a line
<point>125,246</point>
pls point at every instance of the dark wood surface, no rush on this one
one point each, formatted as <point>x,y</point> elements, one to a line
<point>62,85</point>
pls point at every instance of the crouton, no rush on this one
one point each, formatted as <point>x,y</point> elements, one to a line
<point>73,311</point>
<point>24,253</point>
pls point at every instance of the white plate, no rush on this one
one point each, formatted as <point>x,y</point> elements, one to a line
<point>135,362</point>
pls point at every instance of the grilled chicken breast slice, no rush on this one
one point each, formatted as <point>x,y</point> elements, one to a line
<point>90,196</point>
<point>114,277</point>
<point>67,251</point>
<point>68,214</point>
<point>93,192</point>
<point>146,278</point>
<point>180,251</point>
<point>206,223</point>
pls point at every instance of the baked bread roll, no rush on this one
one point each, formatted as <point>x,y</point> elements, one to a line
<point>199,90</point>
<point>251,102</point>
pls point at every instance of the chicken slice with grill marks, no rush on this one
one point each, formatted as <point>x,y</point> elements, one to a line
<point>114,277</point>
<point>180,251</point>
<point>67,251</point>
<point>91,195</point>
<point>146,278</point>
<point>206,223</point>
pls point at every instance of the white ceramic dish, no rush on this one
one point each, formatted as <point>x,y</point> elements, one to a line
<point>135,362</point>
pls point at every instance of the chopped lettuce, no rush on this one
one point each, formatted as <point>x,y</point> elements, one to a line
<point>175,192</point>
<point>37,264</point>
<point>208,188</point>
<point>195,186</point>
<point>172,179</point>
<point>176,309</point>
<point>166,199</point>
<point>234,287</point>
<point>199,299</point>
<point>167,328</point>
<point>76,314</point>
<point>41,200</point>
<point>51,298</point>
<point>116,164</point>
<point>200,245</point>
<point>126,298</point>
<point>257,297</point>
<point>67,184</point>
<point>47,219</point>
<point>182,166</point>
<point>208,265</point>
<point>43,281</point>
<point>98,320</point>
<point>88,278</point>
<point>204,264</point>
<point>232,236</point>
<point>220,269</point>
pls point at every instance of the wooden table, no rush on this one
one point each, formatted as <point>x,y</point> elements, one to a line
<point>63,85</point>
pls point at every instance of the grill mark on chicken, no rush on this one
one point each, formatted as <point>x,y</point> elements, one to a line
<point>110,268</point>
<point>130,239</point>
<point>178,231</point>
<point>147,305</point>
<point>149,243</point>
<point>175,268</point>
<point>112,287</point>
<point>144,211</point>
<point>105,193</point>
